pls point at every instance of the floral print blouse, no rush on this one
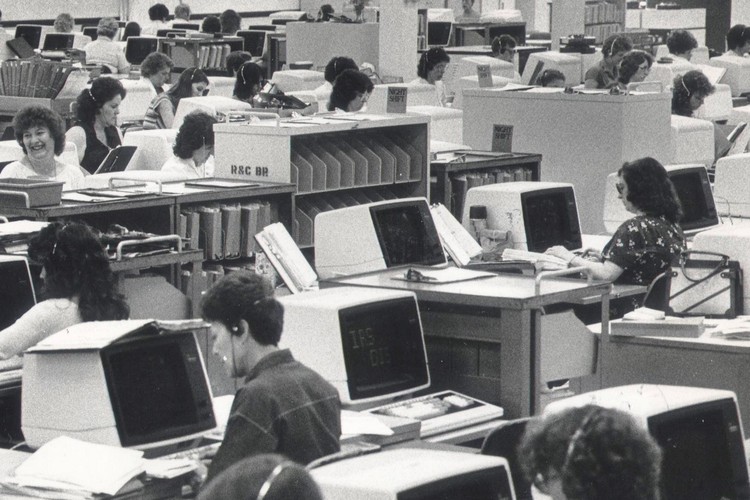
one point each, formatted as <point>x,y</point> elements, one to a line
<point>644,247</point>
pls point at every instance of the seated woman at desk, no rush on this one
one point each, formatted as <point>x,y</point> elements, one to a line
<point>689,91</point>
<point>551,78</point>
<point>738,40</point>
<point>634,67</point>
<point>41,134</point>
<point>248,83</point>
<point>95,131</point>
<point>78,286</point>
<point>156,69</point>
<point>604,74</point>
<point>643,246</point>
<point>334,68</point>
<point>591,453</point>
<point>193,146</point>
<point>351,90</point>
<point>160,113</point>
<point>104,51</point>
<point>430,70</point>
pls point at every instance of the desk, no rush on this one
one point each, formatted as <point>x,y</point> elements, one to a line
<point>483,336</point>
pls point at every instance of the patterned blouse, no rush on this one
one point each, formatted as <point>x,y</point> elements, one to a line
<point>644,247</point>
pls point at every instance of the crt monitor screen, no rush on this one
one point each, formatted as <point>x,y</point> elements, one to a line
<point>407,234</point>
<point>703,456</point>
<point>90,31</point>
<point>138,48</point>
<point>383,348</point>
<point>254,40</point>
<point>157,389</point>
<point>439,33</point>
<point>550,217</point>
<point>694,191</point>
<point>31,33</point>
<point>58,41</point>
<point>17,293</point>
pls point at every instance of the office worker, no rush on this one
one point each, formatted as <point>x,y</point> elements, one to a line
<point>504,47</point>
<point>211,24</point>
<point>283,407</point>
<point>430,70</point>
<point>468,13</point>
<point>643,246</point>
<point>332,70</point>
<point>634,67</point>
<point>230,22</point>
<point>104,51</point>
<point>160,113</point>
<point>738,40</point>
<point>78,286</point>
<point>248,83</point>
<point>551,78</point>
<point>681,44</point>
<point>41,134</point>
<point>604,74</point>
<point>193,146</point>
<point>591,453</point>
<point>156,68</point>
<point>181,13</point>
<point>351,90</point>
<point>235,59</point>
<point>158,15</point>
<point>689,91</point>
<point>64,23</point>
<point>131,29</point>
<point>263,477</point>
<point>95,131</point>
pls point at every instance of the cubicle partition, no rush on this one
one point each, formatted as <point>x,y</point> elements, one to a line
<point>319,42</point>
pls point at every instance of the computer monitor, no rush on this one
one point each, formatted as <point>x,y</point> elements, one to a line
<point>58,41</point>
<point>378,236</point>
<point>138,47</point>
<point>367,343</point>
<point>537,214</point>
<point>467,66</point>
<point>738,72</point>
<point>216,106</point>
<point>17,293</point>
<point>254,41</point>
<point>416,474</point>
<point>730,185</point>
<point>439,27</point>
<point>698,429</point>
<point>120,383</point>
<point>170,32</point>
<point>262,27</point>
<point>693,190</point>
<point>32,33</point>
<point>568,64</point>
<point>90,31</point>
<point>186,26</point>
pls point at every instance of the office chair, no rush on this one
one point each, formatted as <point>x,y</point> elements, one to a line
<point>503,442</point>
<point>657,294</point>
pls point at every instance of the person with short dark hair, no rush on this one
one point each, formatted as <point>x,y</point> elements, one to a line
<point>644,246</point>
<point>192,82</point>
<point>681,44</point>
<point>64,23</point>
<point>283,407</point>
<point>468,13</point>
<point>95,131</point>
<point>551,78</point>
<point>351,90</point>
<point>158,15</point>
<point>104,51</point>
<point>182,13</point>
<point>78,286</point>
<point>334,68</point>
<point>504,47</point>
<point>431,67</point>
<point>591,453</point>
<point>604,74</point>
<point>193,146</point>
<point>689,91</point>
<point>157,69</point>
<point>235,59</point>
<point>248,82</point>
<point>41,134</point>
<point>325,13</point>
<point>634,67</point>
<point>738,40</point>
<point>266,477</point>
<point>131,29</point>
<point>211,24</point>
<point>230,22</point>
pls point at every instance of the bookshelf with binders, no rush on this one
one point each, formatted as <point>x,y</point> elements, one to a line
<point>209,54</point>
<point>334,161</point>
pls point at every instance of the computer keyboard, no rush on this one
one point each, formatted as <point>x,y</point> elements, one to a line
<point>196,453</point>
<point>442,411</point>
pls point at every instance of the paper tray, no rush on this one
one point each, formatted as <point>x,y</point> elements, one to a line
<point>28,193</point>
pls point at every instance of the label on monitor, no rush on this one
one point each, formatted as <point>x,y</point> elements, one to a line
<point>396,100</point>
<point>502,138</point>
<point>484,75</point>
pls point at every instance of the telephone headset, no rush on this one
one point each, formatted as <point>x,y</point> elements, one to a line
<point>682,81</point>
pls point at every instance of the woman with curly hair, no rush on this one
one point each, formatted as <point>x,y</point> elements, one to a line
<point>591,453</point>
<point>160,113</point>
<point>41,134</point>
<point>431,67</point>
<point>248,83</point>
<point>689,91</point>
<point>351,90</point>
<point>78,286</point>
<point>634,67</point>
<point>96,132</point>
<point>642,247</point>
<point>193,146</point>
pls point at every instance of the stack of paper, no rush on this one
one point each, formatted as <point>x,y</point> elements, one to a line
<point>68,468</point>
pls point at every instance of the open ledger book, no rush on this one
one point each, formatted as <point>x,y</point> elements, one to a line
<point>286,258</point>
<point>457,241</point>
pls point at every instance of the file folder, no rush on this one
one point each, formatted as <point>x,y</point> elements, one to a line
<point>230,226</point>
<point>210,232</point>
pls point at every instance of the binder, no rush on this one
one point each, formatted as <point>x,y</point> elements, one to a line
<point>286,258</point>
<point>210,232</point>
<point>230,226</point>
<point>189,227</point>
<point>249,228</point>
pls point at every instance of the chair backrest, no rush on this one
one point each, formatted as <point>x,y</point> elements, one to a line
<point>657,294</point>
<point>503,442</point>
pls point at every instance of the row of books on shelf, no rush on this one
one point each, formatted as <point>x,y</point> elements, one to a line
<point>460,184</point>
<point>337,161</point>
<point>603,12</point>
<point>33,77</point>
<point>602,31</point>
<point>309,207</point>
<point>224,231</point>
<point>208,56</point>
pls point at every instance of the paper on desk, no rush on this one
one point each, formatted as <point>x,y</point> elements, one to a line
<point>354,422</point>
<point>22,227</point>
<point>169,468</point>
<point>70,464</point>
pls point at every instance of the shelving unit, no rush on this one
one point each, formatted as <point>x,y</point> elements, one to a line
<point>453,176</point>
<point>209,54</point>
<point>604,18</point>
<point>333,162</point>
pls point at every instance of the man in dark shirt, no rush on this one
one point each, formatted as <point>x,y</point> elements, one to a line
<point>283,407</point>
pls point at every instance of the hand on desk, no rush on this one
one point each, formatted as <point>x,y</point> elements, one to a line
<point>563,253</point>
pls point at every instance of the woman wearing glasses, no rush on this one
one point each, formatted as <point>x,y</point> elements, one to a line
<point>604,74</point>
<point>193,82</point>
<point>351,89</point>
<point>193,147</point>
<point>431,67</point>
<point>634,67</point>
<point>643,246</point>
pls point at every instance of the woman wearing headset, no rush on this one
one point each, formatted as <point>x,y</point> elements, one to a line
<point>604,74</point>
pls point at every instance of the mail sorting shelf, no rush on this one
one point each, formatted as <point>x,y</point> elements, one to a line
<point>333,162</point>
<point>454,173</point>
